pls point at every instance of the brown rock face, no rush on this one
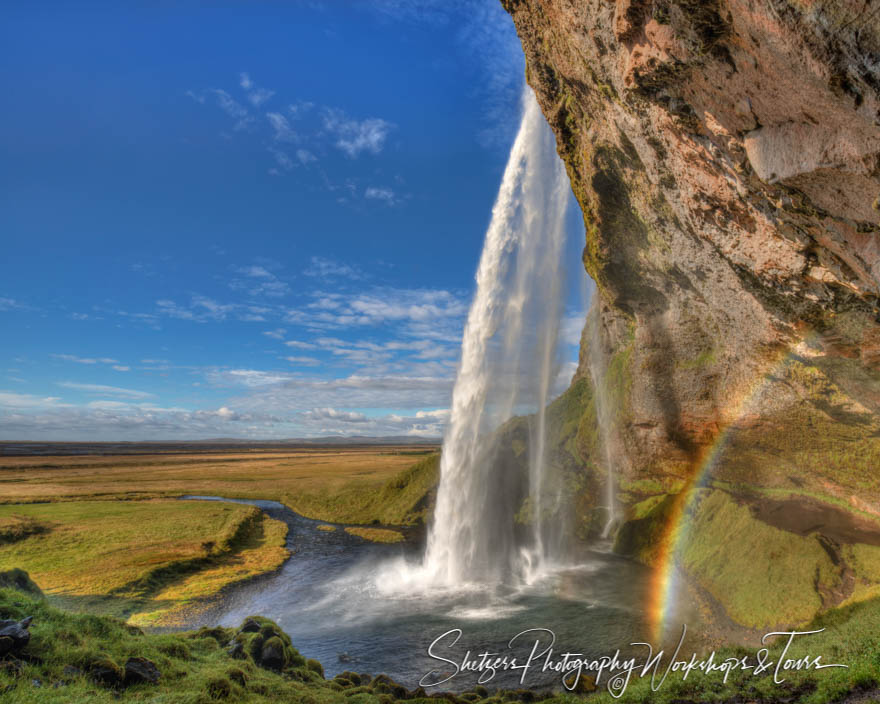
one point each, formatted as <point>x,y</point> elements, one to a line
<point>726,155</point>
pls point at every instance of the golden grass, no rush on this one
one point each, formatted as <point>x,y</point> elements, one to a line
<point>142,557</point>
<point>245,475</point>
<point>376,535</point>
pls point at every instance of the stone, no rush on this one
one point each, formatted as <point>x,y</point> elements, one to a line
<point>272,656</point>
<point>140,671</point>
<point>17,631</point>
<point>250,626</point>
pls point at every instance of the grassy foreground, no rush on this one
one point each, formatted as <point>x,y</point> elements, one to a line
<point>74,658</point>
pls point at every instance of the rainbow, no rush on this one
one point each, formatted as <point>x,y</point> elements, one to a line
<point>663,583</point>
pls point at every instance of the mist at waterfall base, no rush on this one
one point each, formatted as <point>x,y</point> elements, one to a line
<point>497,561</point>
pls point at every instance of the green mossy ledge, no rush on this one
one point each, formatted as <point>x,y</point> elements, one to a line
<point>76,658</point>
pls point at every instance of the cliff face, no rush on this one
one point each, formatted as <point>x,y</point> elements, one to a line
<point>726,155</point>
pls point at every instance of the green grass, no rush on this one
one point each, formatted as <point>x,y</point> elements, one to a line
<point>141,558</point>
<point>763,575</point>
<point>376,535</point>
<point>196,668</point>
<point>403,499</point>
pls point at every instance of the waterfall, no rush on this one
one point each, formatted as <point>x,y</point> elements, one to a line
<point>604,411</point>
<point>509,360</point>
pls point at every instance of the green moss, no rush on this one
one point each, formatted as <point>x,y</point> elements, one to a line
<point>762,575</point>
<point>405,499</point>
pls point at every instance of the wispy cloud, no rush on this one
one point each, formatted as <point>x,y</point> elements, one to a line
<point>322,267</point>
<point>109,390</point>
<point>201,309</point>
<point>354,137</point>
<point>260,281</point>
<point>382,194</point>
<point>283,132</point>
<point>232,108</point>
<point>86,360</point>
<point>257,96</point>
<point>11,304</point>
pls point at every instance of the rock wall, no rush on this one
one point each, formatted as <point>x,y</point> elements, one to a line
<point>726,156</point>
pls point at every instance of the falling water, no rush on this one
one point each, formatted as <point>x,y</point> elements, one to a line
<point>604,418</point>
<point>509,360</point>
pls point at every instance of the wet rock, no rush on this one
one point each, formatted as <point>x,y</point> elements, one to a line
<point>6,644</point>
<point>106,672</point>
<point>17,631</point>
<point>250,626</point>
<point>236,650</point>
<point>36,683</point>
<point>141,671</point>
<point>272,654</point>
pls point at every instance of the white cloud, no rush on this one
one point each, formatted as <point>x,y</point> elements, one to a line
<point>354,137</point>
<point>333,414</point>
<point>301,345</point>
<point>383,194</point>
<point>305,156</point>
<point>13,400</point>
<point>260,282</point>
<point>307,361</point>
<point>232,108</point>
<point>275,393</point>
<point>202,309</point>
<point>276,334</point>
<point>86,360</point>
<point>256,96</point>
<point>299,108</point>
<point>121,368</point>
<point>281,158</point>
<point>323,267</point>
<point>102,389</point>
<point>282,128</point>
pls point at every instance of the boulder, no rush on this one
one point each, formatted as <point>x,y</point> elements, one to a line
<point>17,632</point>
<point>141,671</point>
<point>272,655</point>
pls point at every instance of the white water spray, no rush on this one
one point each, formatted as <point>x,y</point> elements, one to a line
<point>509,360</point>
<point>604,413</point>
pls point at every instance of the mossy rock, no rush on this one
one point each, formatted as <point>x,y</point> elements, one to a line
<point>315,666</point>
<point>102,670</point>
<point>219,688</point>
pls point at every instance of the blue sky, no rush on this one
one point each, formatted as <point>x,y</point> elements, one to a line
<point>244,220</point>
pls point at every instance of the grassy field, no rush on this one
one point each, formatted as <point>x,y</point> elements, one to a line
<point>139,559</point>
<point>104,534</point>
<point>244,475</point>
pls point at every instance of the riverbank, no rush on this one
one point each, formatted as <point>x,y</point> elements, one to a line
<point>108,535</point>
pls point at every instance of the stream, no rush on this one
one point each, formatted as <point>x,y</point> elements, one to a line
<point>328,599</point>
